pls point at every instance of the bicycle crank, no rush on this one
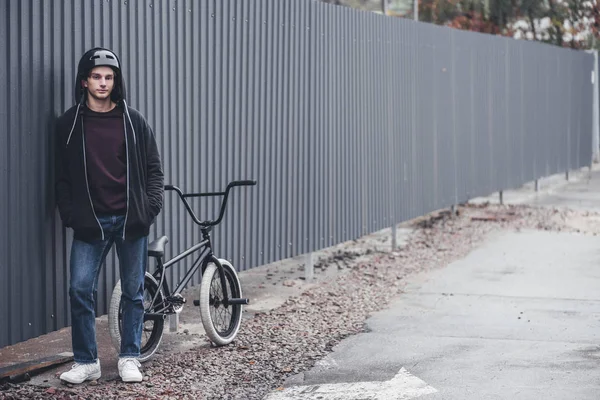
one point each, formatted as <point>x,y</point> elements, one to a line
<point>176,301</point>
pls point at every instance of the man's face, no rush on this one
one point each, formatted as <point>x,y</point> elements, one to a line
<point>100,82</point>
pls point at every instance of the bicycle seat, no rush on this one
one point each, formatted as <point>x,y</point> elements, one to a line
<point>157,247</point>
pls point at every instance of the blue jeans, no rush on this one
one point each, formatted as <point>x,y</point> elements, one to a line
<point>86,260</point>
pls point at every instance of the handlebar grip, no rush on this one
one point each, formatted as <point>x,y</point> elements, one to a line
<point>175,189</point>
<point>243,183</point>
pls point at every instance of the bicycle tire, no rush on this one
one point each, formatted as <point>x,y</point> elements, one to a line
<point>225,335</point>
<point>147,350</point>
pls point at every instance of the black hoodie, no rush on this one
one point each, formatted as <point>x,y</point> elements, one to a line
<point>145,178</point>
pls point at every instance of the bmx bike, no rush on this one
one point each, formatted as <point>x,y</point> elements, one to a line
<point>219,297</point>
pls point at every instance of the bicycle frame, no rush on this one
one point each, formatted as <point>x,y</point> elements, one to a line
<point>205,254</point>
<point>205,257</point>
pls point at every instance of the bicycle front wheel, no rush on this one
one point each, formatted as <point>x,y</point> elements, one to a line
<point>221,322</point>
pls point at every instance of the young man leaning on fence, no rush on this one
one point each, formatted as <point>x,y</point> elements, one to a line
<point>109,190</point>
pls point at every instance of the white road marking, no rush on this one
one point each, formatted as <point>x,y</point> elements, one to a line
<point>401,387</point>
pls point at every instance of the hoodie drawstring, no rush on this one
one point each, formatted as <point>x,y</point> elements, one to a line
<point>74,122</point>
<point>130,122</point>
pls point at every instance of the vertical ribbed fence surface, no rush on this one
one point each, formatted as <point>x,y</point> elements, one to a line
<point>349,121</point>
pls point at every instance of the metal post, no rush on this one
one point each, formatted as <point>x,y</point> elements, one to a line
<point>501,197</point>
<point>537,186</point>
<point>394,236</point>
<point>596,111</point>
<point>416,9</point>
<point>309,267</point>
<point>567,174</point>
<point>384,6</point>
<point>453,210</point>
<point>173,322</point>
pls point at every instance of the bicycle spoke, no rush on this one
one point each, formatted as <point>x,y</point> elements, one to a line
<point>220,314</point>
<point>220,319</point>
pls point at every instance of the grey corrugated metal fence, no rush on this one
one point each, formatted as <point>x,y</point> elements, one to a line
<point>350,122</point>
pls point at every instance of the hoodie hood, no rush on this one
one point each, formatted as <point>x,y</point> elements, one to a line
<point>96,57</point>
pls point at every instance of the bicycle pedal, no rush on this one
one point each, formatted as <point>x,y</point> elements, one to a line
<point>176,299</point>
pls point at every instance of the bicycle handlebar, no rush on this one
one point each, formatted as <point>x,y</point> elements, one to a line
<point>209,223</point>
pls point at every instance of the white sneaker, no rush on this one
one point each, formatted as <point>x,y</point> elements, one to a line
<point>129,369</point>
<point>82,372</point>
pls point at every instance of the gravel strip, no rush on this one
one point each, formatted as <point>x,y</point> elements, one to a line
<point>292,338</point>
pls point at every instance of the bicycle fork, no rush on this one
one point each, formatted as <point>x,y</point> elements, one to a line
<point>226,300</point>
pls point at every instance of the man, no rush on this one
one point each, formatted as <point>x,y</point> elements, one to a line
<point>109,190</point>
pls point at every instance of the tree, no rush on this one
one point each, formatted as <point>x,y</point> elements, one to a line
<point>570,23</point>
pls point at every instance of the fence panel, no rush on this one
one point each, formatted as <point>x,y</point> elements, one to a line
<point>350,121</point>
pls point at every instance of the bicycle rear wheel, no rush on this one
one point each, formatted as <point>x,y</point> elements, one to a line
<point>152,330</point>
<point>221,322</point>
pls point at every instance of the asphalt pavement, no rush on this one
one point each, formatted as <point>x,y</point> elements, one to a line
<point>518,318</point>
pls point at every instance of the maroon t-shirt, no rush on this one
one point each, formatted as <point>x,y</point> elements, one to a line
<point>106,158</point>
